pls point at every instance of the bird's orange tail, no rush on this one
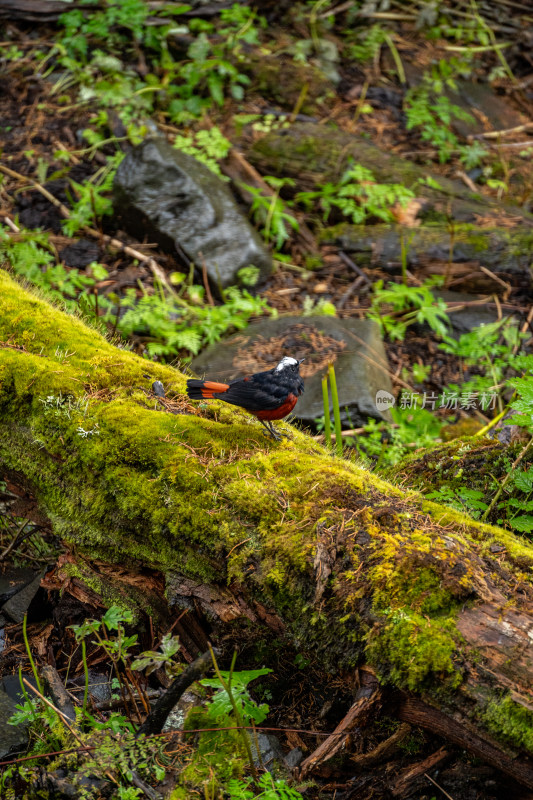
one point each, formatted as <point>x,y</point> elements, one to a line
<point>205,390</point>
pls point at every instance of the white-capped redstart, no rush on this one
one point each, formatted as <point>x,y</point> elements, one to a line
<point>267,395</point>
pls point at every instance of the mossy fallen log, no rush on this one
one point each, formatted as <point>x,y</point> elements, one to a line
<point>281,535</point>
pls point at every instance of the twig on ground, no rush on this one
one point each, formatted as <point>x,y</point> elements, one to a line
<point>109,241</point>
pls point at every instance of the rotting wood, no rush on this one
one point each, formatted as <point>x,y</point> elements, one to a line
<point>367,699</point>
<point>384,750</point>
<point>404,781</point>
<point>425,716</point>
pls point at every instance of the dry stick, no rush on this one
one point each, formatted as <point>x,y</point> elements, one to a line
<point>506,479</point>
<point>327,749</point>
<point>17,540</point>
<point>158,715</point>
<point>445,793</point>
<point>507,286</point>
<point>496,134</point>
<point>523,329</point>
<point>157,270</point>
<point>62,717</point>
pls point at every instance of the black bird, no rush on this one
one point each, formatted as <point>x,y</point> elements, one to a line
<point>267,395</point>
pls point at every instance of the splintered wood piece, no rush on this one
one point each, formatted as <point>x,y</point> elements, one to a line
<point>384,749</point>
<point>357,715</point>
<point>403,782</point>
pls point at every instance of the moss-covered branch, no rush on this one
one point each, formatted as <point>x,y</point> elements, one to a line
<point>348,566</point>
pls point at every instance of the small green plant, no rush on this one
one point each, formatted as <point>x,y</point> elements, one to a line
<point>314,308</point>
<point>408,305</point>
<point>336,410</point>
<point>428,108</point>
<point>265,788</point>
<point>383,445</point>
<point>174,322</point>
<point>208,146</point>
<point>493,350</point>
<point>357,196</point>
<point>269,211</point>
<point>164,658</point>
<point>461,498</point>
<point>93,198</point>
<point>366,43</point>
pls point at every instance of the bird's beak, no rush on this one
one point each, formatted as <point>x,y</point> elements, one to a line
<point>300,361</point>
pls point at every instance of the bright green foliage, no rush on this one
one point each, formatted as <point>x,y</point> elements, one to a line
<point>31,257</point>
<point>173,322</point>
<point>208,146</point>
<point>184,323</point>
<point>462,498</point>
<point>428,108</point>
<point>384,445</point>
<point>269,211</point>
<point>181,88</point>
<point>266,788</point>
<point>117,646</point>
<point>93,198</point>
<point>220,705</point>
<point>108,24</point>
<point>471,155</point>
<point>357,196</point>
<point>492,349</point>
<point>409,305</point>
<point>367,42</point>
<point>222,748</point>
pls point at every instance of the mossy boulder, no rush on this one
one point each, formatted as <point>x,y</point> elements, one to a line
<point>316,154</point>
<point>461,253</point>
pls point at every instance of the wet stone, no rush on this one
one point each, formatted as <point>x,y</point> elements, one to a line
<point>189,211</point>
<point>12,738</point>
<point>361,366</point>
<point>18,604</point>
<point>12,580</point>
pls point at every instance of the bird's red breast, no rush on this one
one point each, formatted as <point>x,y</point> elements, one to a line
<point>278,413</point>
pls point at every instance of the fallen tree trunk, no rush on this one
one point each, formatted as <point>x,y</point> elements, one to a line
<point>350,568</point>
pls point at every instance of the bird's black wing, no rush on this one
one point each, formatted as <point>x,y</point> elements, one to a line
<point>257,393</point>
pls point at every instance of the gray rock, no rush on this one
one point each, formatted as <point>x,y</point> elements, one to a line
<point>11,737</point>
<point>294,758</point>
<point>465,319</point>
<point>13,580</point>
<point>502,251</point>
<point>270,752</point>
<point>361,368</point>
<point>16,606</point>
<point>179,203</point>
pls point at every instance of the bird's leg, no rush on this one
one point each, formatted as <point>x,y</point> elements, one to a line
<point>270,428</point>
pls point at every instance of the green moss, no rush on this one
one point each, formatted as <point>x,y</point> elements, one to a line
<point>415,652</point>
<point>511,722</point>
<point>218,755</point>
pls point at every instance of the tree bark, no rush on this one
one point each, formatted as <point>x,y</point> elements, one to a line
<point>301,544</point>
